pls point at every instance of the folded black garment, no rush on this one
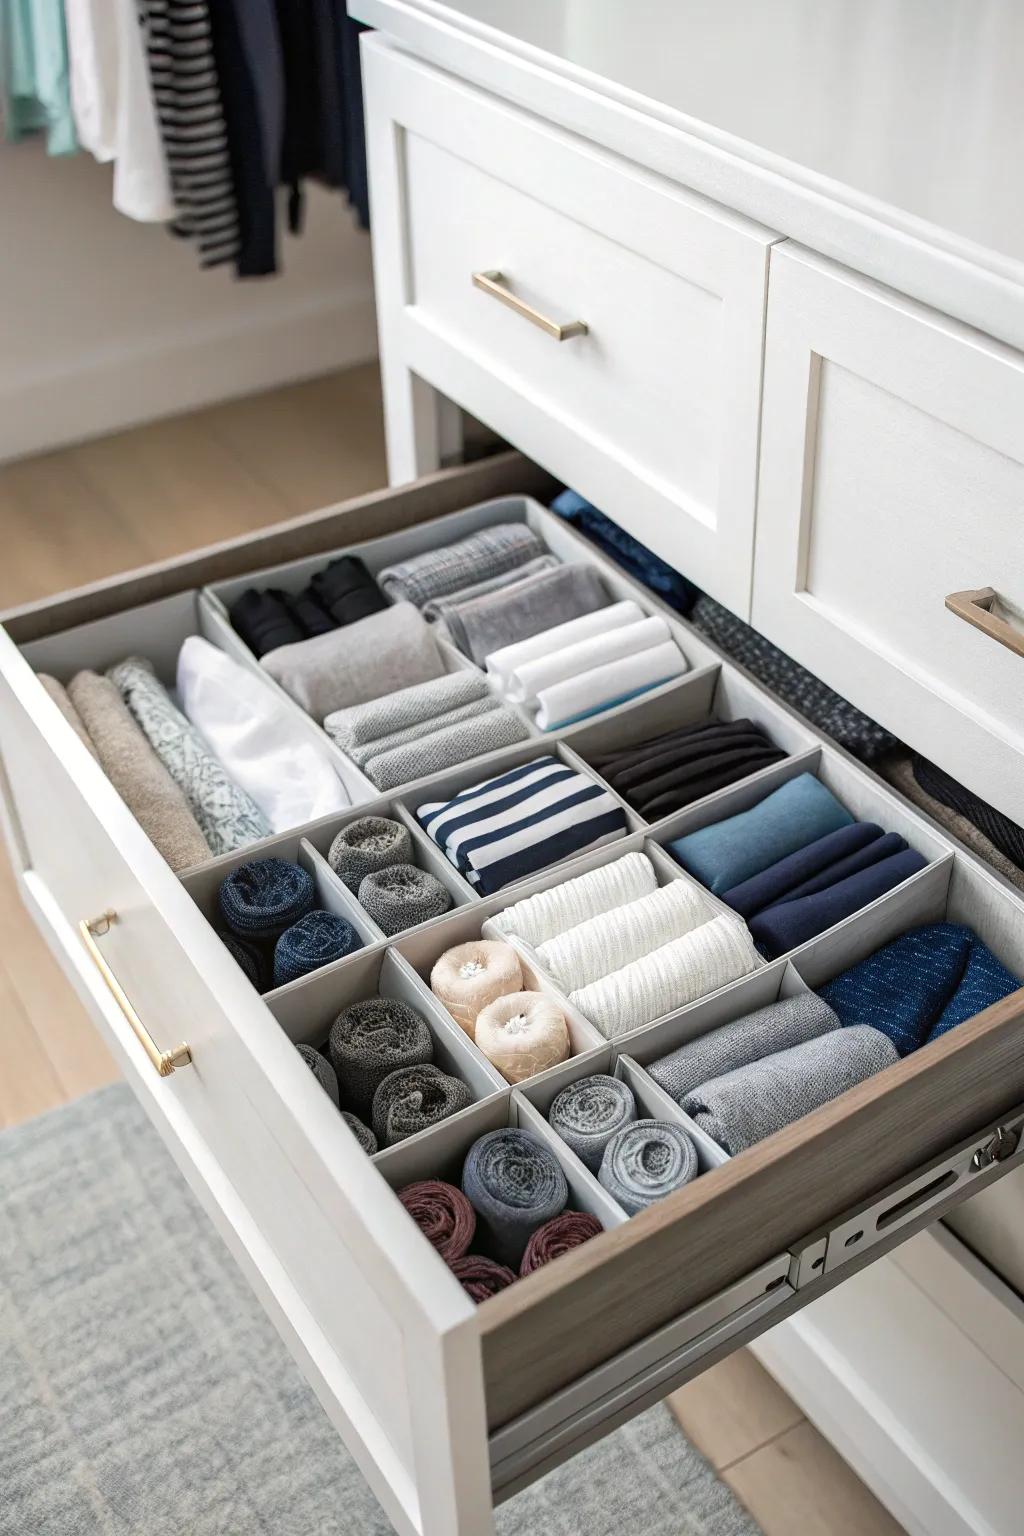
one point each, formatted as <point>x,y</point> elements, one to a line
<point>797,919</point>
<point>346,590</point>
<point>666,772</point>
<point>264,621</point>
<point>306,611</point>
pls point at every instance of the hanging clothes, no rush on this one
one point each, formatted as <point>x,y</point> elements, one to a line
<point>250,66</point>
<point>36,88</point>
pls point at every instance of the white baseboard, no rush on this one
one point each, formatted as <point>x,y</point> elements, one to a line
<point>167,374</point>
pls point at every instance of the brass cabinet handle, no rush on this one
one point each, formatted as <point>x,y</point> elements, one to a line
<point>165,1062</point>
<point>975,607</point>
<point>494,284</point>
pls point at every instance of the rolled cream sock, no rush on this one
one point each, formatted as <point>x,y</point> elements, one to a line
<point>59,694</point>
<point>443,1215</point>
<point>589,1112</point>
<point>363,725</point>
<point>515,1184</point>
<point>413,1098</point>
<point>362,1133</point>
<point>645,1162</point>
<point>559,1235</point>
<point>613,939</point>
<point>378,655</point>
<point>563,662</point>
<point>539,918</point>
<point>368,844</point>
<point>321,1069</point>
<point>465,979</point>
<point>371,1038</point>
<point>670,977</point>
<point>505,665</point>
<point>522,1034</point>
<point>402,896</point>
<point>604,687</point>
<point>481,1277</point>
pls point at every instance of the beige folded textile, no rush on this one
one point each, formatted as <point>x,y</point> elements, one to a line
<point>59,694</point>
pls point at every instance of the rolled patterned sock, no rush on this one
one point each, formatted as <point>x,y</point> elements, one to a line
<point>543,916</point>
<point>606,943</point>
<point>321,1069</point>
<point>589,1112</point>
<point>372,1038</point>
<point>443,1215</point>
<point>402,896</point>
<point>249,958</point>
<point>439,572</point>
<point>414,1098</point>
<point>368,844</point>
<point>789,1022</point>
<point>262,898</point>
<point>646,1161</point>
<point>514,1184</point>
<point>346,590</point>
<point>558,1236</point>
<point>316,940</point>
<point>365,1137</point>
<point>481,1277</point>
<point>264,621</point>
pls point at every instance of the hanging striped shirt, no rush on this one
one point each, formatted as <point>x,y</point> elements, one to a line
<point>511,826</point>
<point>186,93</point>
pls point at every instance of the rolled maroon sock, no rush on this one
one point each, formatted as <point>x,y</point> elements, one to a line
<point>481,1277</point>
<point>443,1215</point>
<point>556,1237</point>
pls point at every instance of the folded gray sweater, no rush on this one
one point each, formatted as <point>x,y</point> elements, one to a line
<point>529,608</point>
<point>788,1022</point>
<point>381,654</point>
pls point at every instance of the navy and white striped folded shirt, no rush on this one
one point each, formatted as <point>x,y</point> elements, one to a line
<point>509,827</point>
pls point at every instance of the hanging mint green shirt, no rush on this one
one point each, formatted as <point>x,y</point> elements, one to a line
<point>34,62</point>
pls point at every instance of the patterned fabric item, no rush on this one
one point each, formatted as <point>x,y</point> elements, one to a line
<point>439,572</point>
<point>316,940</point>
<point>367,844</point>
<point>262,898</point>
<point>999,829</point>
<point>228,817</point>
<point>634,557</point>
<point>646,1161</point>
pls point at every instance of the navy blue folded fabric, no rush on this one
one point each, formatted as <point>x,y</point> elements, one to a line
<point>634,557</point>
<point>262,898</point>
<point>250,958</point>
<point>827,857</point>
<point>788,923</point>
<point>315,940</point>
<point>921,985</point>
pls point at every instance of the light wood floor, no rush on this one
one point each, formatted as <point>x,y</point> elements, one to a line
<point>122,501</point>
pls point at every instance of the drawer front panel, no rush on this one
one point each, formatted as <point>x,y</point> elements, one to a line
<point>653,411</point>
<point>892,475</point>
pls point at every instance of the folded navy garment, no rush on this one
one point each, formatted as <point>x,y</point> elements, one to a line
<point>315,940</point>
<point>799,918</point>
<point>830,856</point>
<point>250,958</point>
<point>262,898</point>
<point>626,551</point>
<point>346,590</point>
<point>921,985</point>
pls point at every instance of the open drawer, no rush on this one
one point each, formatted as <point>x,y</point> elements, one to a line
<point>447,1406</point>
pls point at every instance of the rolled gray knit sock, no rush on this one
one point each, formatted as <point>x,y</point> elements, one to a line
<point>361,726</point>
<point>371,843</point>
<point>781,1025</point>
<point>646,1161</point>
<point>413,1098</point>
<point>321,1069</point>
<point>743,1107</point>
<point>588,1113</point>
<point>362,1133</point>
<point>515,1184</point>
<point>451,743</point>
<point>402,896</point>
<point>371,1038</point>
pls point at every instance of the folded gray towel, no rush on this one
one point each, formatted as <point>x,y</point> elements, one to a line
<point>384,653</point>
<point>529,608</point>
<point>384,744</point>
<point>646,1161</point>
<point>589,1112</point>
<point>786,1023</point>
<point>515,1184</point>
<point>367,844</point>
<point>362,1133</point>
<point>439,609</point>
<point>321,1069</point>
<point>439,572</point>
<point>451,742</point>
<point>413,1098</point>
<point>402,896</point>
<point>744,1106</point>
<point>359,729</point>
<point>371,1038</point>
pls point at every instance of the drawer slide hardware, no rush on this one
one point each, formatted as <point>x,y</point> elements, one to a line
<point>165,1062</point>
<point>494,283</point>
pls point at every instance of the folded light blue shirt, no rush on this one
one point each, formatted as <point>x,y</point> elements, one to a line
<point>727,852</point>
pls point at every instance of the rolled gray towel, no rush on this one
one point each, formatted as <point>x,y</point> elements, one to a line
<point>478,557</point>
<point>360,728</point>
<point>362,1133</point>
<point>403,896</point>
<point>646,1161</point>
<point>589,1112</point>
<point>777,1027</point>
<point>321,1069</point>
<point>384,745</point>
<point>414,1098</point>
<point>744,1106</point>
<point>368,844</point>
<point>453,742</point>
<point>371,1038</point>
<point>515,1184</point>
<point>381,654</point>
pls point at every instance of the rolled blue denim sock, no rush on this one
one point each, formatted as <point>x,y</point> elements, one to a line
<point>262,898</point>
<point>315,940</point>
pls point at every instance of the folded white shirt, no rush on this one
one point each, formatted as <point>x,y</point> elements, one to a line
<point>562,662</point>
<point>251,731</point>
<point>501,664</point>
<point>606,686</point>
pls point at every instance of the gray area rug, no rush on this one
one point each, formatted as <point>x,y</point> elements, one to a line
<point>144,1393</point>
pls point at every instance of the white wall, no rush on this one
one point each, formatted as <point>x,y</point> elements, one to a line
<point>105,323</point>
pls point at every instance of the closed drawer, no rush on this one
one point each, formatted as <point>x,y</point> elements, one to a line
<point>652,412</point>
<point>892,476</point>
<point>446,1406</point>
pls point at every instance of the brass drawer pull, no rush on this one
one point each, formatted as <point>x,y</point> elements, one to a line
<point>165,1062</point>
<point>494,284</point>
<point>976,607</point>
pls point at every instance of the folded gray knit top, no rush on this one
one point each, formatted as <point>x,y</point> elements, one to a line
<point>528,608</point>
<point>362,726</point>
<point>438,572</point>
<point>780,1025</point>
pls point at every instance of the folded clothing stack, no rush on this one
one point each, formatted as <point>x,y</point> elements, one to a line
<point>374,857</point>
<point>588,664</point>
<point>627,950</point>
<point>274,930</point>
<point>664,773</point>
<point>424,729</point>
<point>521,1032</point>
<point>342,593</point>
<point>921,985</point>
<point>452,568</point>
<point>796,863</point>
<point>508,827</point>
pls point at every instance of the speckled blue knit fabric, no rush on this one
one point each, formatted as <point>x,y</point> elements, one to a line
<point>921,985</point>
<point>259,900</point>
<point>315,940</point>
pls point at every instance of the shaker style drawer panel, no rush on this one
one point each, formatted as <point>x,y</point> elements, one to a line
<point>648,404</point>
<point>892,478</point>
